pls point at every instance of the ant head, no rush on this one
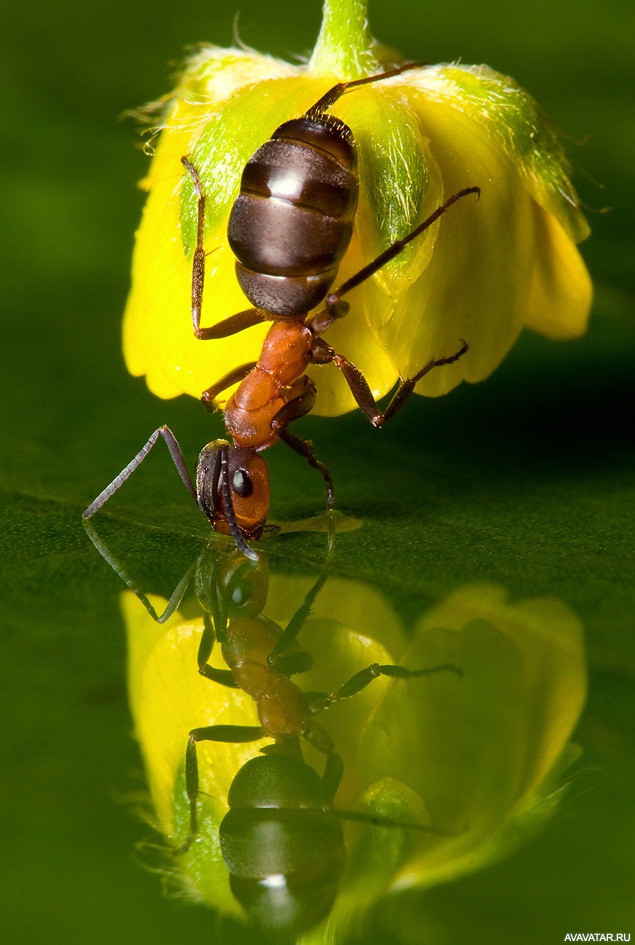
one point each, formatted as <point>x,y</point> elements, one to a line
<point>229,585</point>
<point>232,485</point>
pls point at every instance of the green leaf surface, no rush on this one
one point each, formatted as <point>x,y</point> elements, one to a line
<point>525,481</point>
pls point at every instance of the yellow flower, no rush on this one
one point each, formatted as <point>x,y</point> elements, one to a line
<point>168,698</point>
<point>484,271</point>
<point>479,757</point>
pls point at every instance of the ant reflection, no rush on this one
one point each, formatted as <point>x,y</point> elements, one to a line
<point>281,839</point>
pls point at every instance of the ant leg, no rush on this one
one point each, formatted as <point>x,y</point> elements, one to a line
<point>223,676</point>
<point>228,326</point>
<point>319,739</point>
<point>234,376</point>
<point>406,387</point>
<point>334,766</point>
<point>333,771</point>
<point>210,733</point>
<point>341,88</point>
<point>363,394</point>
<point>177,594</point>
<point>365,676</point>
<point>335,308</point>
<point>304,448</point>
<point>321,353</point>
<point>298,407</point>
<point>395,248</point>
<point>292,629</point>
<point>177,458</point>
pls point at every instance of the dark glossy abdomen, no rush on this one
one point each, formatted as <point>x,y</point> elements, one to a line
<point>293,219</point>
<point>282,843</point>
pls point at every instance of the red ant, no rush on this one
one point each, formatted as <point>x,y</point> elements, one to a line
<point>289,229</point>
<point>282,838</point>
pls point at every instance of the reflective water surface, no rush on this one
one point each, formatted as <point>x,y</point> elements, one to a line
<point>524,482</point>
<point>360,757</point>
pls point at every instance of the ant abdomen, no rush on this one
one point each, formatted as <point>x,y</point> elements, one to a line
<point>300,189</point>
<point>280,826</point>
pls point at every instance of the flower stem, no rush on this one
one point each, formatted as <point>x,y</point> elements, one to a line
<point>344,46</point>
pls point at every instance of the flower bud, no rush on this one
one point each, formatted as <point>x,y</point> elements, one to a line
<point>483,271</point>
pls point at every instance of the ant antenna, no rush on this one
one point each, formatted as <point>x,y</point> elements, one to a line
<point>379,820</point>
<point>177,594</point>
<point>230,517</point>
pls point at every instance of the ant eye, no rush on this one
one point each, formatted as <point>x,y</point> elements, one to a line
<point>241,594</point>
<point>242,484</point>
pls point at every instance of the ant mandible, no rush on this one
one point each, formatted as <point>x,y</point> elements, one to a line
<point>301,190</point>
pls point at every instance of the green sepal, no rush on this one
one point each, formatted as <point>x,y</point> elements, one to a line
<point>520,127</point>
<point>400,182</point>
<point>200,871</point>
<point>229,139</point>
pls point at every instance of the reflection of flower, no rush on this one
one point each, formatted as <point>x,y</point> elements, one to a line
<point>478,758</point>
<point>168,698</point>
<point>483,272</point>
<point>498,740</point>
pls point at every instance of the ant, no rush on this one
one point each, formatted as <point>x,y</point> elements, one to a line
<point>289,229</point>
<point>281,839</point>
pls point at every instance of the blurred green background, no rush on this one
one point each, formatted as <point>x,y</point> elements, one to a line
<point>526,479</point>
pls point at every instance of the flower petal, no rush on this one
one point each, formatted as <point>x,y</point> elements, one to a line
<point>157,333</point>
<point>480,750</point>
<point>481,273</point>
<point>520,128</point>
